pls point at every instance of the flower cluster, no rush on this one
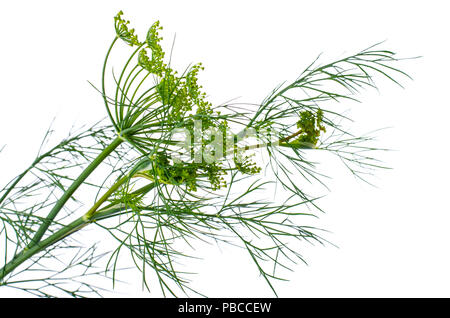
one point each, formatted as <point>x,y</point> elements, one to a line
<point>123,32</point>
<point>182,93</point>
<point>310,126</point>
<point>245,165</point>
<point>155,65</point>
<point>180,173</point>
<point>182,103</point>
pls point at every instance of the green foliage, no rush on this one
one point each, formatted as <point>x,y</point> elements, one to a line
<point>150,203</point>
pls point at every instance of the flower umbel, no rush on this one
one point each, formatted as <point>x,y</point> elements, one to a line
<point>123,32</point>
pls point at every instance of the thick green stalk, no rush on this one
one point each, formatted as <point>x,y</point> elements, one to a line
<point>91,216</point>
<point>69,192</point>
<point>76,225</point>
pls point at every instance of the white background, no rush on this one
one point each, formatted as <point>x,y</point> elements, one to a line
<point>393,240</point>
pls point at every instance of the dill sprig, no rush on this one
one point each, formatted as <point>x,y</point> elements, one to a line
<point>159,190</point>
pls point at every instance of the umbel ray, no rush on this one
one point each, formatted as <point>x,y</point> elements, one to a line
<point>172,170</point>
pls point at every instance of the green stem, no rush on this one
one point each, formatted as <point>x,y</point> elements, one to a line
<point>78,224</point>
<point>73,227</point>
<point>282,142</point>
<point>69,192</point>
<point>105,197</point>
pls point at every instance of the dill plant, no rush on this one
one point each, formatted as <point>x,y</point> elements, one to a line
<point>175,171</point>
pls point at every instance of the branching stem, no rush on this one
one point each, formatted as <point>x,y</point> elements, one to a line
<point>36,245</point>
<point>105,197</point>
<point>73,227</point>
<point>70,191</point>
